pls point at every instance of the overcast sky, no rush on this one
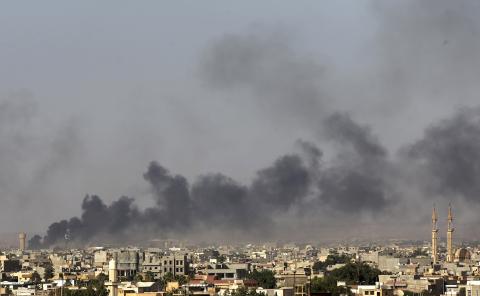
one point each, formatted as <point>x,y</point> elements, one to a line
<point>91,92</point>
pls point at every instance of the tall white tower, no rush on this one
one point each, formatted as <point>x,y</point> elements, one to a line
<point>434,236</point>
<point>22,237</point>
<point>112,283</point>
<point>450,230</point>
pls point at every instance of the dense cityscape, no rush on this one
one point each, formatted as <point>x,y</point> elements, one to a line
<point>240,148</point>
<point>172,267</point>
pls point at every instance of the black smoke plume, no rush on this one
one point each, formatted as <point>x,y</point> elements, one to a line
<point>423,51</point>
<point>449,156</point>
<point>361,179</point>
<point>295,183</point>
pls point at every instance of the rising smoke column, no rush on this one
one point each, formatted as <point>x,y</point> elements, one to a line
<point>221,201</point>
<point>295,183</point>
<point>448,156</point>
<point>357,181</point>
<point>97,219</point>
<point>172,198</point>
<point>424,51</point>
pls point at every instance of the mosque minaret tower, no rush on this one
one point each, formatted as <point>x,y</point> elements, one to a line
<point>434,236</point>
<point>450,229</point>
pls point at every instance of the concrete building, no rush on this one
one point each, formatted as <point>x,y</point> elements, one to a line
<point>9,263</point>
<point>472,288</point>
<point>228,271</point>
<point>391,264</point>
<point>374,290</point>
<point>100,258</point>
<point>152,262</point>
<point>127,263</point>
<point>298,281</point>
<point>285,291</point>
<point>174,264</point>
<point>159,265</point>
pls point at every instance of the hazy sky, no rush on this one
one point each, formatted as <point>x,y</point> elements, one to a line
<point>91,92</point>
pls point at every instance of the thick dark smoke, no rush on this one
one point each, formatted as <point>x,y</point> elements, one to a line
<point>219,198</point>
<point>359,180</point>
<point>341,128</point>
<point>284,184</point>
<point>171,194</point>
<point>295,183</point>
<point>263,62</point>
<point>421,51</point>
<point>96,219</point>
<point>449,156</point>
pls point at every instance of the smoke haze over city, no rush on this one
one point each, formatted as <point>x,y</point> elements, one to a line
<point>239,121</point>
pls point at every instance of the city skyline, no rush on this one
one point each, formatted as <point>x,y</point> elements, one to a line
<point>240,148</point>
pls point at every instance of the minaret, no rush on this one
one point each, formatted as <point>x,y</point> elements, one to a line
<point>434,236</point>
<point>450,230</point>
<point>112,283</point>
<point>22,237</point>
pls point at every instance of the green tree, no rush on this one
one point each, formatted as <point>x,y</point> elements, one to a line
<point>149,277</point>
<point>48,272</point>
<point>138,278</point>
<point>181,279</point>
<point>242,291</point>
<point>351,273</point>
<point>90,291</point>
<point>161,283</point>
<point>98,284</point>
<point>331,260</point>
<point>265,278</point>
<point>356,273</point>
<point>36,278</point>
<point>221,259</point>
<point>168,277</point>
<point>328,285</point>
<point>102,277</point>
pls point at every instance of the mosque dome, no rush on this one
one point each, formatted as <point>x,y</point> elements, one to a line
<point>462,255</point>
